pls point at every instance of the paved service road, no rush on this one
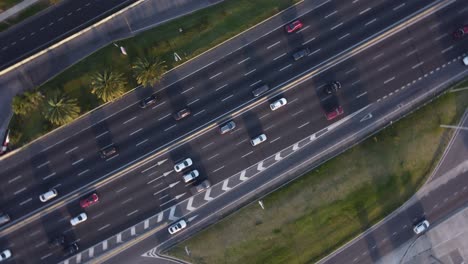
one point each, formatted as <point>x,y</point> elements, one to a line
<point>222,86</point>
<point>56,23</point>
<point>366,77</point>
<point>440,197</point>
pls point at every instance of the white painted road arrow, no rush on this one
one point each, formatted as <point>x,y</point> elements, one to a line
<point>180,195</point>
<point>173,184</point>
<point>161,162</point>
<point>167,173</point>
<point>191,218</point>
<point>368,116</point>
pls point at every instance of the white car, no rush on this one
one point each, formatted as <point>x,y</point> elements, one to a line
<point>177,226</point>
<point>183,164</point>
<point>6,254</point>
<point>78,219</point>
<point>465,60</point>
<point>278,103</point>
<point>191,176</point>
<point>258,139</point>
<point>421,227</point>
<point>52,193</point>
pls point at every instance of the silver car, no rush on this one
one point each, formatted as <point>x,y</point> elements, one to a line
<point>278,103</point>
<point>183,164</point>
<point>52,193</point>
<point>229,126</point>
<point>421,227</point>
<point>191,176</point>
<point>258,139</point>
<point>78,219</point>
<point>177,226</point>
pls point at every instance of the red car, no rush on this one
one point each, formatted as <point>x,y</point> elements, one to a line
<point>459,33</point>
<point>90,200</point>
<point>293,26</point>
<point>336,112</point>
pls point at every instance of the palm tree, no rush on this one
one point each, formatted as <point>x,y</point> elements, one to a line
<point>148,71</point>
<point>59,109</point>
<point>108,85</point>
<point>27,102</point>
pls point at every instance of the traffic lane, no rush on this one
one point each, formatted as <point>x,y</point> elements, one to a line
<point>104,227</point>
<point>50,26</point>
<point>377,64</point>
<point>427,51</point>
<point>435,206</point>
<point>140,128</point>
<point>281,33</point>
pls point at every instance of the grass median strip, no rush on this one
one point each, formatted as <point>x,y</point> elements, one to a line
<point>309,218</point>
<point>200,31</point>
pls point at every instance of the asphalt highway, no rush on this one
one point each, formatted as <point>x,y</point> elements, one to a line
<point>365,77</point>
<point>210,92</point>
<point>52,25</point>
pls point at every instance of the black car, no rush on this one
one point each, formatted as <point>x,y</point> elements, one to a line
<point>301,54</point>
<point>109,152</point>
<point>58,241</point>
<point>71,249</point>
<point>460,32</point>
<point>333,87</point>
<point>182,114</point>
<point>148,101</point>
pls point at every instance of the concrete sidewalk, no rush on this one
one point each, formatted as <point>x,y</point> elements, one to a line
<point>41,67</point>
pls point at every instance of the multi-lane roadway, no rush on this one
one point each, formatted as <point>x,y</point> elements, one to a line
<point>331,29</point>
<point>52,25</point>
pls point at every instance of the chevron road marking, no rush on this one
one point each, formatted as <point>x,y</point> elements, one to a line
<point>189,204</point>
<point>225,185</point>
<point>242,176</point>
<point>171,214</point>
<point>160,217</point>
<point>207,195</point>
<point>260,166</point>
<point>296,147</point>
<point>278,156</point>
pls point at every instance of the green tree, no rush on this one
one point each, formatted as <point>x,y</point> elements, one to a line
<point>60,110</point>
<point>148,71</point>
<point>27,102</point>
<point>108,85</point>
